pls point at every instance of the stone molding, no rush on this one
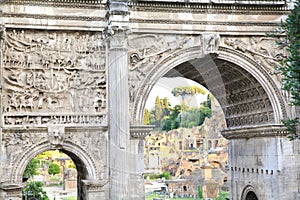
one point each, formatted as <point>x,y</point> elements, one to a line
<point>258,131</point>
<point>59,3</point>
<point>140,131</point>
<point>12,190</point>
<point>54,17</point>
<point>214,8</point>
<point>193,22</point>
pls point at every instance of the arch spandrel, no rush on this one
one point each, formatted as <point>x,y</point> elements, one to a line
<point>244,69</point>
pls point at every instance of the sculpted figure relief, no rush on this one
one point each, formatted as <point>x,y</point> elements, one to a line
<point>48,71</point>
<point>56,135</point>
<point>95,141</point>
<point>147,50</point>
<point>263,50</point>
<point>18,142</point>
<point>211,42</point>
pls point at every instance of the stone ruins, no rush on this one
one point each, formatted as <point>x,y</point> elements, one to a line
<point>75,76</point>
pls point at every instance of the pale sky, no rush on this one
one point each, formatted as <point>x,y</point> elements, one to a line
<point>164,87</point>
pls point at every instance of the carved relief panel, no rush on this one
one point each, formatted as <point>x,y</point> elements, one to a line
<point>58,73</point>
<point>261,49</point>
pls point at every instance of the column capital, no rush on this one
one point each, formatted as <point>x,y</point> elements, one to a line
<point>140,131</point>
<point>118,17</point>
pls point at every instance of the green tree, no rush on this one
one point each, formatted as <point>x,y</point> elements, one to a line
<point>200,193</point>
<point>47,155</point>
<point>166,124</point>
<point>53,169</point>
<point>34,189</point>
<point>195,116</point>
<point>165,175</point>
<point>222,195</point>
<point>290,66</point>
<point>185,91</point>
<point>31,168</point>
<point>165,106</point>
<point>175,111</point>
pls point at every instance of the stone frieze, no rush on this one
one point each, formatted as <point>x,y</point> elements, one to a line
<point>53,72</point>
<point>262,49</point>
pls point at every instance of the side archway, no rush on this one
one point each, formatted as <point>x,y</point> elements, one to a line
<point>81,158</point>
<point>86,169</point>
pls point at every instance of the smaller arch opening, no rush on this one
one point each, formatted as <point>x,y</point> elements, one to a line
<point>58,174</point>
<point>251,196</point>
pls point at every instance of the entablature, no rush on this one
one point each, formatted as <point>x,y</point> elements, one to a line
<point>256,131</point>
<point>248,2</point>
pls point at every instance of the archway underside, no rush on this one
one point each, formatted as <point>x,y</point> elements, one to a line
<point>243,99</point>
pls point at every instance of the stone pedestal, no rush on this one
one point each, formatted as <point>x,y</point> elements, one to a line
<point>94,190</point>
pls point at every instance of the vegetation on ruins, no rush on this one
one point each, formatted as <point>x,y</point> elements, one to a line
<point>165,175</point>
<point>200,193</point>
<point>290,65</point>
<point>168,118</point>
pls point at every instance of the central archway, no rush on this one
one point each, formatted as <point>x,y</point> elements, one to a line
<point>250,99</point>
<point>234,79</point>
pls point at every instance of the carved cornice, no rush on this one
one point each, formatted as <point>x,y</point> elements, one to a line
<point>210,8</point>
<point>54,17</point>
<point>58,3</point>
<point>258,131</point>
<point>140,131</point>
<point>220,23</point>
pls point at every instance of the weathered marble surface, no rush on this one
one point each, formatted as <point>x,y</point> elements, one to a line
<point>75,76</point>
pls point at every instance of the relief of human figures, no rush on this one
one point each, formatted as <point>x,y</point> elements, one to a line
<point>262,49</point>
<point>48,71</point>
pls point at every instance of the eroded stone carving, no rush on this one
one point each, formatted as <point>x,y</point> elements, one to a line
<point>95,141</point>
<point>56,72</point>
<point>56,135</point>
<point>211,42</point>
<point>147,50</point>
<point>17,142</point>
<point>262,49</point>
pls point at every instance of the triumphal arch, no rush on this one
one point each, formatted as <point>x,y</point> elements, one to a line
<point>75,76</point>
